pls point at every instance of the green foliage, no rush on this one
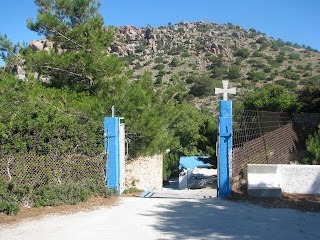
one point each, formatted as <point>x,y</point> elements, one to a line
<point>309,97</point>
<point>203,86</point>
<point>132,190</point>
<point>287,84</point>
<point>234,73</point>
<point>185,54</point>
<point>294,56</point>
<point>243,52</point>
<point>67,193</point>
<point>275,99</point>
<point>257,54</point>
<point>148,114</point>
<point>175,62</point>
<point>159,66</point>
<point>64,121</point>
<point>161,73</point>
<point>257,76</point>
<point>204,28</point>
<point>171,165</point>
<point>281,57</point>
<point>199,47</point>
<point>8,201</point>
<point>78,29</point>
<point>191,78</point>
<point>291,75</point>
<point>158,82</point>
<point>139,49</point>
<point>158,60</point>
<point>262,40</point>
<point>197,135</point>
<point>313,147</point>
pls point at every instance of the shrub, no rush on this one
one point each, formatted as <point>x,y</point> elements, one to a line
<point>67,193</point>
<point>159,66</point>
<point>175,62</point>
<point>185,54</point>
<point>139,49</point>
<point>199,47</point>
<point>203,86</point>
<point>191,79</point>
<point>313,147</point>
<point>291,75</point>
<point>158,81</point>
<point>281,58</point>
<point>287,84</point>
<point>243,52</point>
<point>257,76</point>
<point>8,203</point>
<point>234,73</point>
<point>262,40</point>
<point>294,56</point>
<point>161,73</point>
<point>158,60</point>
<point>257,54</point>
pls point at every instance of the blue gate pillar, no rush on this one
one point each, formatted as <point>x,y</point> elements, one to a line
<point>224,150</point>
<point>225,143</point>
<point>112,148</point>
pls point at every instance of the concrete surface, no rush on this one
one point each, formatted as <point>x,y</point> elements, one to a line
<point>270,192</point>
<point>302,179</point>
<point>263,180</point>
<point>165,218</point>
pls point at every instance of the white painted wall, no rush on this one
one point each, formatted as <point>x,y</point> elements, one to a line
<point>302,179</point>
<point>183,179</point>
<point>122,156</point>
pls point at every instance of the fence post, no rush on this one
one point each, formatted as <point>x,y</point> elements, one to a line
<point>111,129</point>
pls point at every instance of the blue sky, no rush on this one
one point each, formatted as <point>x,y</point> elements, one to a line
<point>296,21</point>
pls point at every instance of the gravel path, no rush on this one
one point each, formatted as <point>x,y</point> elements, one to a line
<point>167,218</point>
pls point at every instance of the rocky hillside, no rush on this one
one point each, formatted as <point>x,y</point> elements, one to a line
<point>195,57</point>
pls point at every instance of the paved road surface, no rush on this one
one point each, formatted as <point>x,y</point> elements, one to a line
<point>168,218</point>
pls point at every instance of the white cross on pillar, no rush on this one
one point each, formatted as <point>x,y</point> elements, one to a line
<point>225,90</point>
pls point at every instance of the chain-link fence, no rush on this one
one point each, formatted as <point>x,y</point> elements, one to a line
<point>262,138</point>
<point>34,170</point>
<point>31,160</point>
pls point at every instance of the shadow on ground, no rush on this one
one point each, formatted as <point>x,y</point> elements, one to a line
<point>222,219</point>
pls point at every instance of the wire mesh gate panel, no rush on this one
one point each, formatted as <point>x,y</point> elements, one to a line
<point>262,138</point>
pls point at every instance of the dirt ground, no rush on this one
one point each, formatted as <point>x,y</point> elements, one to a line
<point>38,213</point>
<point>305,203</point>
<point>301,202</point>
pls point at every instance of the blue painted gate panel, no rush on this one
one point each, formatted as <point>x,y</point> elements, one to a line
<point>111,128</point>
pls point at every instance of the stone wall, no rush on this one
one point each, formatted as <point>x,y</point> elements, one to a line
<point>145,173</point>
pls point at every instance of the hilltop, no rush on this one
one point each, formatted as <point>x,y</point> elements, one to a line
<point>196,56</point>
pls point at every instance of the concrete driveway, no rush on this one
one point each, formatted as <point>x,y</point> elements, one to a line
<point>167,218</point>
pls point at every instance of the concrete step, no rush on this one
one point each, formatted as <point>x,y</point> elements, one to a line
<point>272,192</point>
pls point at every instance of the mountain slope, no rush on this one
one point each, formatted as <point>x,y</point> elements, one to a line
<point>197,56</point>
